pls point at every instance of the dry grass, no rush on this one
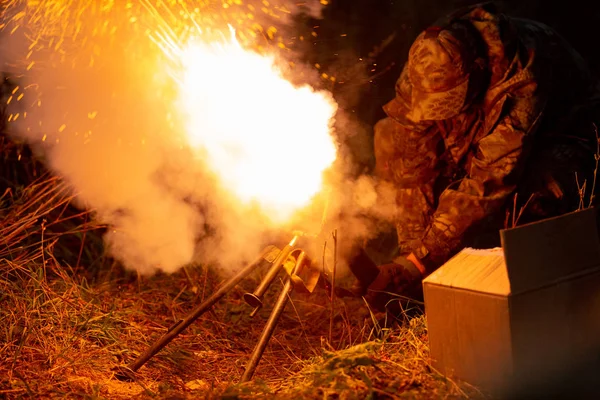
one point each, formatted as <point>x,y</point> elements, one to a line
<point>65,326</point>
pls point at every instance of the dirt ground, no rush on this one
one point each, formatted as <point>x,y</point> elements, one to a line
<point>65,330</point>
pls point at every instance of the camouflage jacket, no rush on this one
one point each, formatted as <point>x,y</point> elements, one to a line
<point>457,175</point>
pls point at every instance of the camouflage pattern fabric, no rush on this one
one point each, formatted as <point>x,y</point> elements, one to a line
<point>439,66</point>
<point>527,133</point>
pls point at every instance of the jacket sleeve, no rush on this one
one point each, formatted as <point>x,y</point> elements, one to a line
<point>407,157</point>
<point>495,168</point>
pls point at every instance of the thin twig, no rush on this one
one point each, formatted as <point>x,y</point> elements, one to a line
<point>193,286</point>
<point>334,235</point>
<point>323,268</point>
<point>514,210</point>
<point>78,265</point>
<point>43,251</point>
<point>523,209</point>
<point>597,158</point>
<point>581,191</point>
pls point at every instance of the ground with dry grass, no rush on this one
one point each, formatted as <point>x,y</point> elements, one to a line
<point>70,316</point>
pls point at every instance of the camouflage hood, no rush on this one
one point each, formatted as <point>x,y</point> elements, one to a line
<point>446,64</point>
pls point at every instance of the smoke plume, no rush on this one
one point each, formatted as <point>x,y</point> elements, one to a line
<point>93,104</point>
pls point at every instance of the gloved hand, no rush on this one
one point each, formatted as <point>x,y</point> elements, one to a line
<point>364,270</point>
<point>402,277</point>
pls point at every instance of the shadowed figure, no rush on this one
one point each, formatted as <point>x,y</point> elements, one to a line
<point>491,115</point>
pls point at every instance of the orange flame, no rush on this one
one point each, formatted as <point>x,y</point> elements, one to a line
<point>268,141</point>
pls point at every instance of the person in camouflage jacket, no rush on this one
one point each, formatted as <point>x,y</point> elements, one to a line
<point>491,113</point>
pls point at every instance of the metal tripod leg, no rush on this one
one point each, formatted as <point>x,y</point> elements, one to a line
<point>125,373</point>
<point>256,299</point>
<point>272,322</point>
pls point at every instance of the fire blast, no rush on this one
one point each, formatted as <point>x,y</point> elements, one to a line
<point>268,141</point>
<point>181,134</point>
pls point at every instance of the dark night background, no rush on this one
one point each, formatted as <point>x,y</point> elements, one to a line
<point>351,30</point>
<point>368,22</point>
<point>365,25</point>
<point>364,43</point>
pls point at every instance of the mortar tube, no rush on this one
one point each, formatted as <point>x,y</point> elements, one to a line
<point>267,332</point>
<point>255,299</point>
<point>182,324</point>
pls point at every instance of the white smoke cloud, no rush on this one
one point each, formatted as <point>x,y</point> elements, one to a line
<point>100,115</point>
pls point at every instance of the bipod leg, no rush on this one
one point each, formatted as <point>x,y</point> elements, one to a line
<point>256,299</point>
<point>126,373</point>
<point>271,322</point>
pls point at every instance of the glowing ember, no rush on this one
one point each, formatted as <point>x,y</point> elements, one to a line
<point>267,140</point>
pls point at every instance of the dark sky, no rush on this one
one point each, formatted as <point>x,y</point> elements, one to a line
<point>353,28</point>
<point>367,23</point>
